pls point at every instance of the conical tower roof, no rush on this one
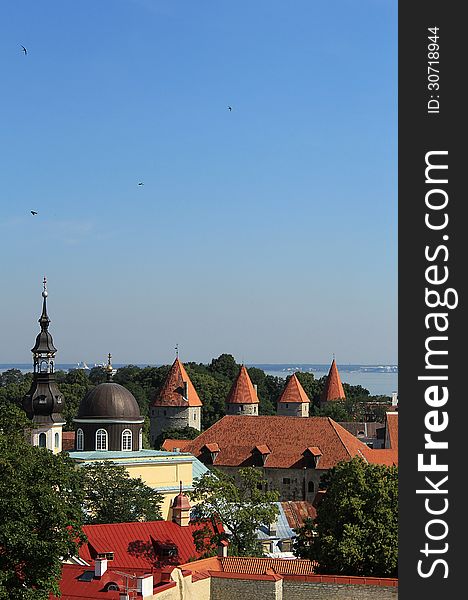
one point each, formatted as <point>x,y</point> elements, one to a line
<point>293,391</point>
<point>177,390</point>
<point>333,389</point>
<point>242,390</point>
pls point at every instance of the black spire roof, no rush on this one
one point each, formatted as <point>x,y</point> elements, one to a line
<point>44,342</point>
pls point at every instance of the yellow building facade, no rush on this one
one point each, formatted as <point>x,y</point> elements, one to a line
<point>162,471</point>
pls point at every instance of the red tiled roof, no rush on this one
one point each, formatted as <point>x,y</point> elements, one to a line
<point>286,437</point>
<point>170,445</point>
<point>392,429</point>
<point>68,440</point>
<point>242,390</point>
<point>133,544</point>
<point>172,392</point>
<point>293,391</point>
<point>297,512</point>
<point>259,566</point>
<point>382,456</point>
<point>74,588</point>
<point>333,389</point>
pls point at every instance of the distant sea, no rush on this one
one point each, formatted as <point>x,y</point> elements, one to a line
<point>378,379</point>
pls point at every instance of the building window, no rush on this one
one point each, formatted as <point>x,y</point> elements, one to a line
<point>140,439</point>
<point>42,440</point>
<point>286,481</point>
<point>311,487</point>
<point>79,439</point>
<point>56,440</point>
<point>101,439</point>
<point>126,439</point>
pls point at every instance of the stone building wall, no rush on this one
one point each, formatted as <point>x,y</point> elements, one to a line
<point>293,409</point>
<point>309,590</point>
<point>242,409</point>
<point>290,483</point>
<point>223,588</point>
<point>173,417</point>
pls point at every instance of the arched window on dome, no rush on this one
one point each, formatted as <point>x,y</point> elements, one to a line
<point>140,439</point>
<point>56,440</point>
<point>42,440</point>
<point>126,439</point>
<point>101,439</point>
<point>79,439</point>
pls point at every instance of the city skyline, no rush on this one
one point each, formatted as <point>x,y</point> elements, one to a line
<point>267,231</point>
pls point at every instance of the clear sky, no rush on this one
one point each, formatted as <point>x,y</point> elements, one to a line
<point>268,231</point>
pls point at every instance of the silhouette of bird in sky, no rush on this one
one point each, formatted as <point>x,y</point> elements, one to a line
<point>141,183</point>
<point>24,49</point>
<point>33,212</point>
<point>229,107</point>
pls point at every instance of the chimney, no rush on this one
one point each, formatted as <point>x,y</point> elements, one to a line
<point>145,586</point>
<point>394,398</point>
<point>124,596</point>
<point>100,567</point>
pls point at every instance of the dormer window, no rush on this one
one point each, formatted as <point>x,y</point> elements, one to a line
<point>211,452</point>
<point>260,454</point>
<point>312,454</point>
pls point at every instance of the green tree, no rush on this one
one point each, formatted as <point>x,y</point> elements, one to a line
<point>225,365</point>
<point>239,503</point>
<point>357,522</point>
<point>40,506</point>
<point>11,376</point>
<point>184,433</point>
<point>113,496</point>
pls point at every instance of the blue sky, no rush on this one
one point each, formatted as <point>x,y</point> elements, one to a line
<point>268,231</point>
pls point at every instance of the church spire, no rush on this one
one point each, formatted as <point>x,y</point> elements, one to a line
<point>44,349</point>
<point>44,402</point>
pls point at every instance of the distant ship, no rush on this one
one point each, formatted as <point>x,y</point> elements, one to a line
<point>82,365</point>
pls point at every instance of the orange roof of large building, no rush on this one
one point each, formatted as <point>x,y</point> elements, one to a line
<point>173,391</point>
<point>293,391</point>
<point>287,438</point>
<point>242,390</point>
<point>333,389</point>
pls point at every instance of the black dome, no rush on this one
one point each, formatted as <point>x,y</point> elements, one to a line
<point>109,401</point>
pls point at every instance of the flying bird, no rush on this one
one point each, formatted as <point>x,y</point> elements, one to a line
<point>229,107</point>
<point>24,49</point>
<point>33,212</point>
<point>141,183</point>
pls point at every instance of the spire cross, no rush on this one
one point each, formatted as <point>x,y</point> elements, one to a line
<point>177,350</point>
<point>44,284</point>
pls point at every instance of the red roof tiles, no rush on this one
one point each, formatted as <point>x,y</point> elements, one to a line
<point>173,391</point>
<point>293,391</point>
<point>242,390</point>
<point>391,425</point>
<point>78,583</point>
<point>259,566</point>
<point>68,440</point>
<point>333,389</point>
<point>172,445</point>
<point>296,512</point>
<point>286,437</point>
<point>135,545</point>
